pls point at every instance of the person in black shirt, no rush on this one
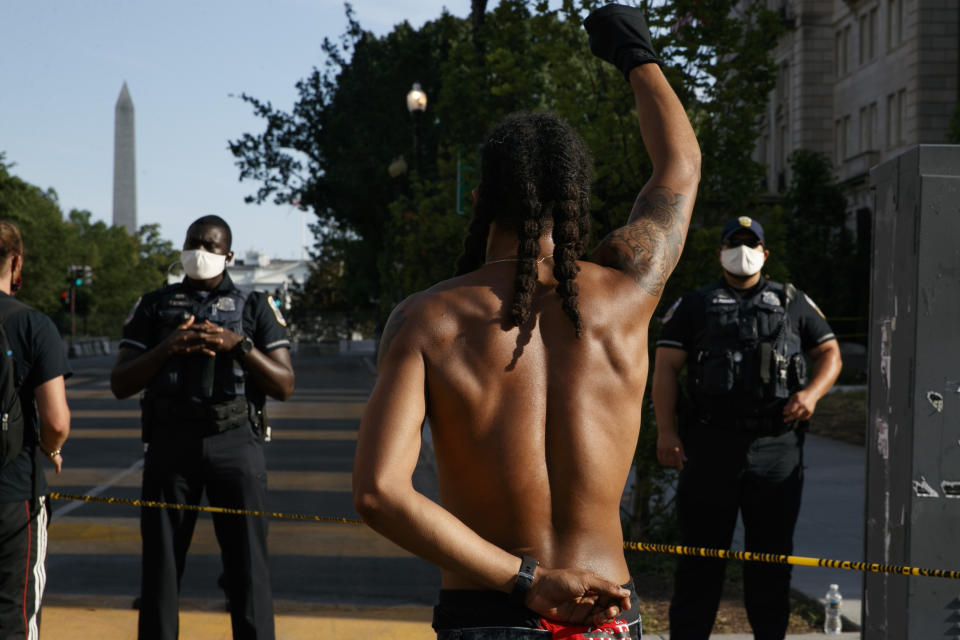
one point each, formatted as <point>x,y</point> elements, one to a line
<point>740,442</point>
<point>40,367</point>
<point>206,352</point>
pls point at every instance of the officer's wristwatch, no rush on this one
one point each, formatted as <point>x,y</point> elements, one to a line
<point>243,347</point>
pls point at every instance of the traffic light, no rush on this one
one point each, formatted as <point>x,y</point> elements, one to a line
<point>65,299</point>
<point>81,274</point>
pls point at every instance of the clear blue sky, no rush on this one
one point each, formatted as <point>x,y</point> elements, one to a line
<point>63,62</point>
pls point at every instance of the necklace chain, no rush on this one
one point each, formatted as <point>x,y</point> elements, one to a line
<point>512,260</point>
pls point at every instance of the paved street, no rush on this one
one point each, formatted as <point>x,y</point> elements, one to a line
<point>317,568</point>
<point>328,579</point>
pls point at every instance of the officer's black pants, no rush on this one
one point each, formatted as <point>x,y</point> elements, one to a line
<point>761,478</point>
<point>231,466</point>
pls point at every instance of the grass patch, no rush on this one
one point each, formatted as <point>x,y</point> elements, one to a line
<point>841,415</point>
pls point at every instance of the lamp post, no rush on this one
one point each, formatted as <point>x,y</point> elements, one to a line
<point>416,105</point>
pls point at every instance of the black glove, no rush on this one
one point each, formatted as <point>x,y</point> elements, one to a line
<point>619,35</point>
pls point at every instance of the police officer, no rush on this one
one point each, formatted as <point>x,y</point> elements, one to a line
<point>206,352</point>
<point>739,447</point>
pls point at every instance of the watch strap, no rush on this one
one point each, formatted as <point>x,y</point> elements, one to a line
<point>243,347</point>
<point>524,581</point>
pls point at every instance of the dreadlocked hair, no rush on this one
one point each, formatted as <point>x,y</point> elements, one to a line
<point>535,177</point>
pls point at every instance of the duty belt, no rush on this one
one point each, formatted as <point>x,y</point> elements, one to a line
<point>208,418</point>
<point>753,425</point>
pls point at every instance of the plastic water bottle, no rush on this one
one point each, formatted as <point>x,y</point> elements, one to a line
<point>832,624</point>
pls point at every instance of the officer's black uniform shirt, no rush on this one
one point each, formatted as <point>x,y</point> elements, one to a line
<point>685,322</point>
<point>262,321</point>
<point>38,357</point>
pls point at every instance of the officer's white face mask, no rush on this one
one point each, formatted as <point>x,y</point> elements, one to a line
<point>742,260</point>
<point>202,265</point>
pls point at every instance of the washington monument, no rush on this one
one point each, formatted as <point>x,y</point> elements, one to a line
<point>124,164</point>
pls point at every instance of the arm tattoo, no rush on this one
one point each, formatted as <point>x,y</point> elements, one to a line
<point>648,246</point>
<point>394,324</point>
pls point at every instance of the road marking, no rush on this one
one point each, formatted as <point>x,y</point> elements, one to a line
<point>89,617</point>
<point>280,433</point>
<point>105,414</point>
<point>314,409</point>
<point>110,536</point>
<point>67,508</point>
<point>276,480</point>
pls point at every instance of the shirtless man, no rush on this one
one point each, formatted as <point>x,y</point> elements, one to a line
<point>531,366</point>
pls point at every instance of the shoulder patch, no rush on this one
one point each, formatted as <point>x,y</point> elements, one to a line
<point>669,313</point>
<point>814,305</point>
<point>133,311</point>
<point>275,307</point>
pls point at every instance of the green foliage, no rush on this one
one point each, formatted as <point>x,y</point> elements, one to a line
<point>330,153</point>
<point>953,134</point>
<point>123,266</point>
<point>823,255</point>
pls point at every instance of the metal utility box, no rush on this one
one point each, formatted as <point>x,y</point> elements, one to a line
<point>913,433</point>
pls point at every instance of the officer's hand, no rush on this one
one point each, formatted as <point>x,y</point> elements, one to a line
<point>217,338</point>
<point>670,449</point>
<point>187,339</point>
<point>800,406</point>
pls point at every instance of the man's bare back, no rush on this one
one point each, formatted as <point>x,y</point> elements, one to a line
<point>534,427</point>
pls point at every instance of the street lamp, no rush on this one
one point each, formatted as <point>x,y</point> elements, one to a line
<point>416,105</point>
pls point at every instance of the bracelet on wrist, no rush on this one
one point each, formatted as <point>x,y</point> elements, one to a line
<point>50,454</point>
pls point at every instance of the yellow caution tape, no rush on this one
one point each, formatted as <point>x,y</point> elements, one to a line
<point>774,558</point>
<point>771,558</point>
<point>197,507</point>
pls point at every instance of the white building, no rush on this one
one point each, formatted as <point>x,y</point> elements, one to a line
<point>861,81</point>
<point>258,272</point>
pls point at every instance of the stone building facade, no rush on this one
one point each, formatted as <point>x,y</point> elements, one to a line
<point>861,81</point>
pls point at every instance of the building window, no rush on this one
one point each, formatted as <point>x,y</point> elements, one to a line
<point>864,142</point>
<point>873,33</point>
<point>901,115</point>
<point>841,128</point>
<point>896,117</point>
<point>783,82</point>
<point>864,37</point>
<point>846,49</point>
<point>868,123</point>
<point>837,53</point>
<point>895,16</point>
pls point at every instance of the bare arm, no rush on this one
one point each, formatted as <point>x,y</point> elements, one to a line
<point>272,371</point>
<point>54,414</point>
<point>666,368</point>
<point>826,367</point>
<point>648,247</point>
<point>387,449</point>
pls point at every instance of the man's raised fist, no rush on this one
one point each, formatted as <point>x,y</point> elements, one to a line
<point>619,35</point>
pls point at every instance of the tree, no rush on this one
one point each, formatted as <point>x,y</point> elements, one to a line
<point>953,134</point>
<point>123,266</point>
<point>330,153</point>
<point>822,250</point>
